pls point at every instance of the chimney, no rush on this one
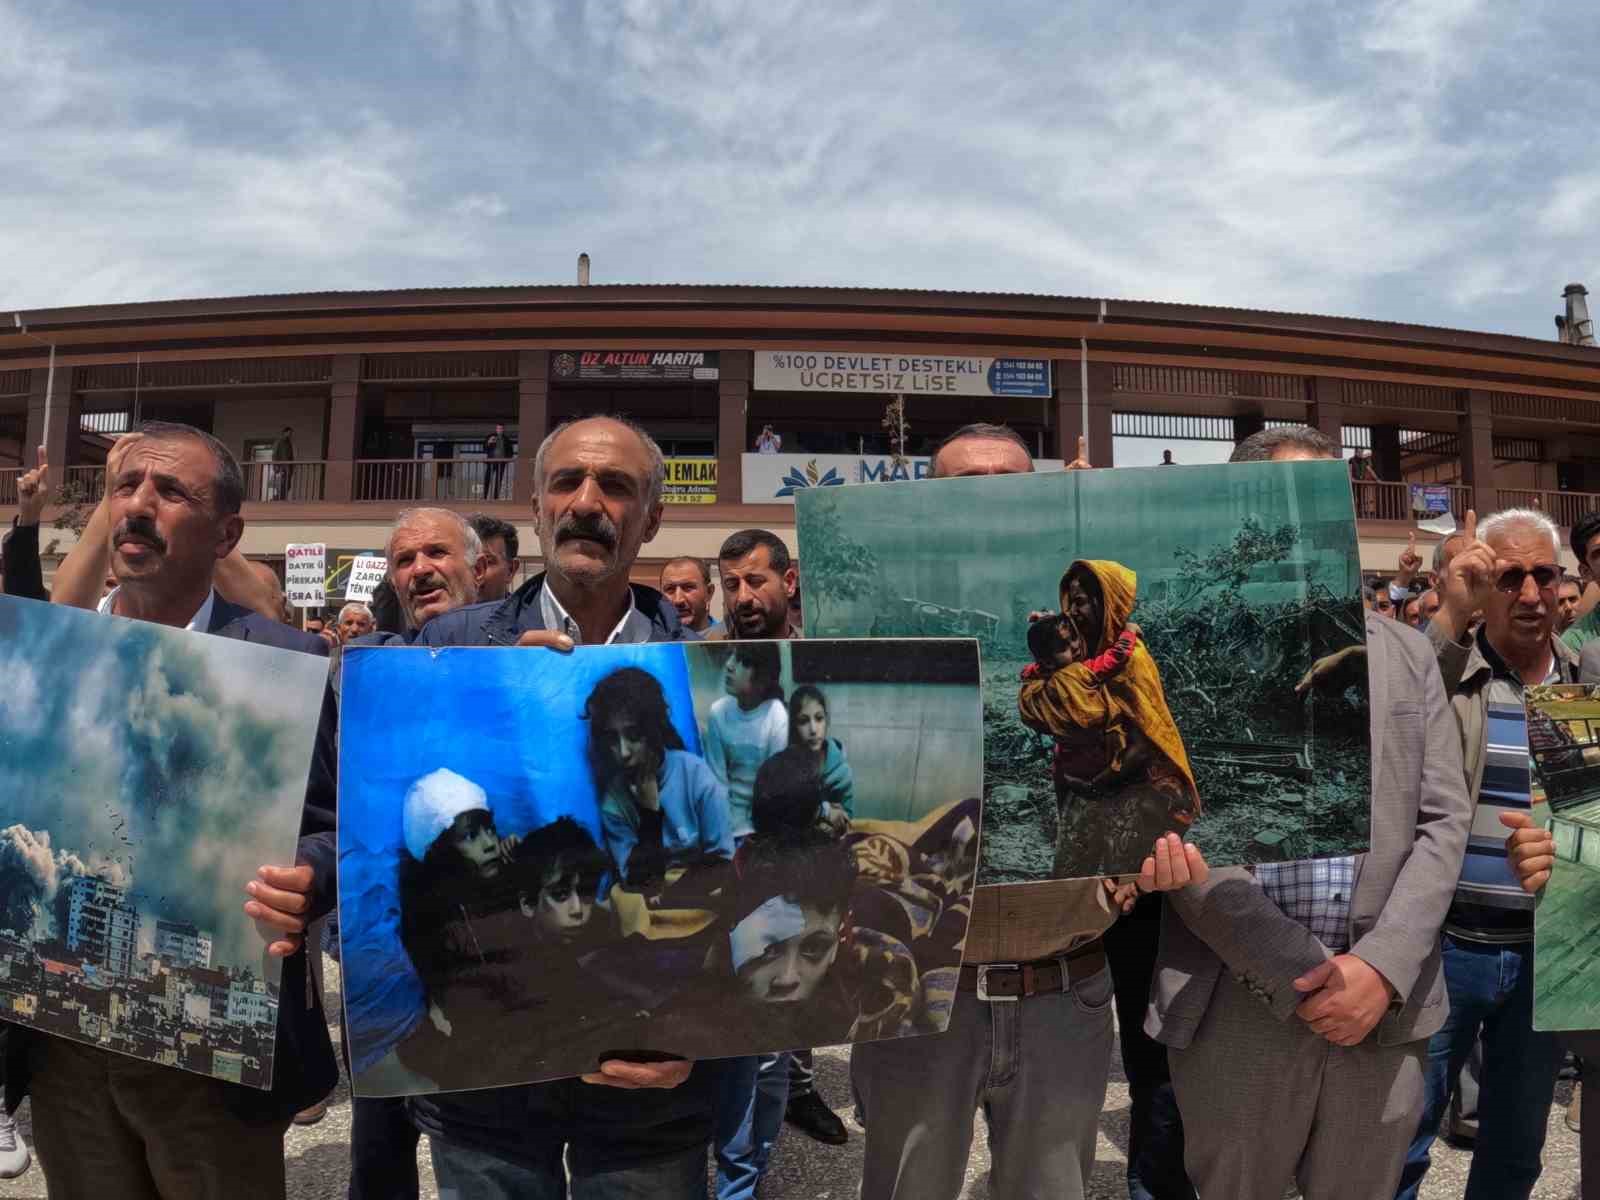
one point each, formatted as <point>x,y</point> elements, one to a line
<point>583,271</point>
<point>1576,327</point>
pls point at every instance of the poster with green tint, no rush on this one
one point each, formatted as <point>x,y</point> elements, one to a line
<point>1564,741</point>
<point>1172,648</point>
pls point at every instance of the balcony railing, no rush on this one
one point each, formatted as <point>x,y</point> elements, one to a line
<point>1392,501</point>
<point>299,481</point>
<point>86,485</point>
<point>8,484</point>
<point>1564,508</point>
<point>414,479</point>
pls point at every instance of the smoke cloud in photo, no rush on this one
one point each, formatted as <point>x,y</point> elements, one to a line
<point>169,762</point>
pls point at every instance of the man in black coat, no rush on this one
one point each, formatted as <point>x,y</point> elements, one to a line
<point>627,1128</point>
<point>105,1123</point>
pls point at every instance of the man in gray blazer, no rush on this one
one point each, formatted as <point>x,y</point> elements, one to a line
<point>1296,1001</point>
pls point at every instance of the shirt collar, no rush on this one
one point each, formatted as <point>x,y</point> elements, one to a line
<point>634,626</point>
<point>199,623</point>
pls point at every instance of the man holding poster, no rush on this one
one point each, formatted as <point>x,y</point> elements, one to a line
<point>104,1120</point>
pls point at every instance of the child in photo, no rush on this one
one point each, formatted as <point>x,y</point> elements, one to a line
<point>660,805</point>
<point>809,730</point>
<point>747,726</point>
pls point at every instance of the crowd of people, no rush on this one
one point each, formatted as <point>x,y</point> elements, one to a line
<point>1301,1023</point>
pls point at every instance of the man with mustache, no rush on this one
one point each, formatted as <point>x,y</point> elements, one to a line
<point>432,554</point>
<point>635,1128</point>
<point>758,582</point>
<point>104,1120</point>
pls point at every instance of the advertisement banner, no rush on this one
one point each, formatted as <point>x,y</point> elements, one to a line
<point>776,478</point>
<point>1429,501</point>
<point>911,374</point>
<point>303,574</point>
<point>634,366</point>
<point>366,573</point>
<point>690,481</point>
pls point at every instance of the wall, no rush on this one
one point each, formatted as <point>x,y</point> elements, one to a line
<point>256,418</point>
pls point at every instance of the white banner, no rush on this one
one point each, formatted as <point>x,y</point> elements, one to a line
<point>303,574</point>
<point>775,478</point>
<point>366,573</point>
<point>911,374</point>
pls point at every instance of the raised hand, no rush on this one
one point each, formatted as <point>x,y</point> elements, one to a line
<point>1468,581</point>
<point>33,490</point>
<point>1173,864</point>
<point>1081,463</point>
<point>1410,562</point>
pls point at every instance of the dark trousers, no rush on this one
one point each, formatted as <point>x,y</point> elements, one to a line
<point>493,480</point>
<point>105,1125</point>
<point>1155,1131</point>
<point>383,1149</point>
<point>1586,1046</point>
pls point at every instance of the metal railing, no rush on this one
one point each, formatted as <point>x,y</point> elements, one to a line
<point>299,481</point>
<point>416,479</point>
<point>8,484</point>
<point>86,485</point>
<point>1564,508</point>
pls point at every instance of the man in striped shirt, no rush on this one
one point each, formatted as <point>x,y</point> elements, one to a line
<point>1509,571</point>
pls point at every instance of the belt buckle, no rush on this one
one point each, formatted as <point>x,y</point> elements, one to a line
<point>983,982</point>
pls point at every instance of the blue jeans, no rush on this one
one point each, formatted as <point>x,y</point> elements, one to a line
<point>755,1091</point>
<point>467,1174</point>
<point>1490,988</point>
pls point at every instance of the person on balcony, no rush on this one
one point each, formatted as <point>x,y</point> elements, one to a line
<point>497,447</point>
<point>283,476</point>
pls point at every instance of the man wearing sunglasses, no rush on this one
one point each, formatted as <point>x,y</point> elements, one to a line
<point>1508,570</point>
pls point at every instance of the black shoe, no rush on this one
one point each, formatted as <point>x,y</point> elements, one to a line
<point>815,1119</point>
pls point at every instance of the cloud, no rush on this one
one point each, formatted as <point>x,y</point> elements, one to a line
<point>1420,160</point>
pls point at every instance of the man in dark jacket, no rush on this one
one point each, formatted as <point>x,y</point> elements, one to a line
<point>283,452</point>
<point>20,571</point>
<point>104,1121</point>
<point>628,1128</point>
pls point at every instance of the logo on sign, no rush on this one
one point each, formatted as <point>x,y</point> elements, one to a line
<point>799,479</point>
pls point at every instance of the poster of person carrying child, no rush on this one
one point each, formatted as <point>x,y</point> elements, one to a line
<point>1162,651</point>
<point>683,849</point>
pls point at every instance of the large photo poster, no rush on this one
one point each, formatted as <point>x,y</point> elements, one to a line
<point>1198,662</point>
<point>146,773</point>
<point>1564,743</point>
<point>699,849</point>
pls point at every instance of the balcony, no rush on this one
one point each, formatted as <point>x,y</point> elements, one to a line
<point>301,481</point>
<point>1392,501</point>
<point>1564,508</point>
<point>414,480</point>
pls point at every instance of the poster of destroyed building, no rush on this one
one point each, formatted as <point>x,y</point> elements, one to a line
<point>145,774</point>
<point>700,850</point>
<point>1564,742</point>
<point>1164,684</point>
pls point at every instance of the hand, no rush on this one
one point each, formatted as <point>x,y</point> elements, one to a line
<point>117,454</point>
<point>1410,562</point>
<point>1134,629</point>
<point>440,1021</point>
<point>508,846</point>
<point>1532,850</point>
<point>1324,667</point>
<point>1346,999</point>
<point>1081,463</point>
<point>330,637</point>
<point>279,901</point>
<point>1123,896</point>
<point>646,789</point>
<point>1468,582</point>
<point>633,1076</point>
<point>1173,864</point>
<point>33,489</point>
<point>838,820</point>
<point>547,638</point>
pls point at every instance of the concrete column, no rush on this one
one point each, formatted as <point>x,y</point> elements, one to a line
<point>1327,407</point>
<point>733,423</point>
<point>344,428</point>
<point>1068,418</point>
<point>60,438</point>
<point>1069,399</point>
<point>533,419</point>
<point>1386,452</point>
<point>1476,428</point>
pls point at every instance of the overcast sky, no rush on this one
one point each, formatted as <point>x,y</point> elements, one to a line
<point>1418,160</point>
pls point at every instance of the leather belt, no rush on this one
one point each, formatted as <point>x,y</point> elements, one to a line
<point>1014,981</point>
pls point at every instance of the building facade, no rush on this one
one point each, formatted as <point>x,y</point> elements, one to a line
<point>397,398</point>
<point>181,944</point>
<point>102,927</point>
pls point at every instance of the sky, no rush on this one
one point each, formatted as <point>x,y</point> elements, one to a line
<point>1415,160</point>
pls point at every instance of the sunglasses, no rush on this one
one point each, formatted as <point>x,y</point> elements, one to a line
<point>1545,577</point>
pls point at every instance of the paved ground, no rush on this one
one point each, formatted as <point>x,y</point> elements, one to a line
<point>318,1156</point>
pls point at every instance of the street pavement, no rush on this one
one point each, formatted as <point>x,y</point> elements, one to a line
<point>319,1157</point>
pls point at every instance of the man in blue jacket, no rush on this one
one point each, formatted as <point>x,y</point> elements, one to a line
<point>628,1128</point>
<point>104,1123</point>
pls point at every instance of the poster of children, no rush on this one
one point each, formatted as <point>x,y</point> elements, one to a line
<point>1163,651</point>
<point>688,849</point>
